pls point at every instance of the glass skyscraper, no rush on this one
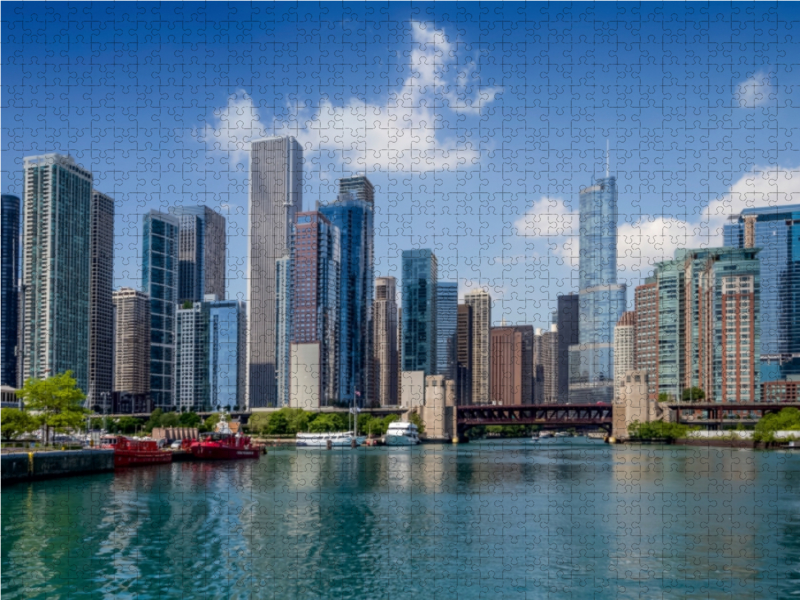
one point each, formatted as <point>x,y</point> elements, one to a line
<point>446,318</point>
<point>419,311</point>
<point>160,282</point>
<point>776,231</point>
<point>283,325</point>
<point>56,268</point>
<point>201,252</point>
<point>601,298</point>
<point>353,214</point>
<point>10,289</point>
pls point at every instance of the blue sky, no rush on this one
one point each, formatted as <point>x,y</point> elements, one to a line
<point>477,123</point>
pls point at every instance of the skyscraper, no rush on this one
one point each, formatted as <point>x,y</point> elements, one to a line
<point>419,311</point>
<point>386,360</point>
<point>512,365</point>
<point>283,325</point>
<point>10,288</point>
<point>276,195</point>
<point>191,358</point>
<point>776,231</point>
<point>546,366</point>
<point>101,304</point>
<point>624,349</point>
<point>202,245</point>
<point>313,357</point>
<point>353,214</point>
<point>56,268</point>
<point>463,351</point>
<point>646,331</point>
<point>481,304</point>
<point>567,322</point>
<point>446,315</point>
<point>160,283</point>
<point>602,299</point>
<point>132,341</point>
<point>227,335</point>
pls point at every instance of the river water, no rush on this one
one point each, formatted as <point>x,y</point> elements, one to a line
<point>570,518</point>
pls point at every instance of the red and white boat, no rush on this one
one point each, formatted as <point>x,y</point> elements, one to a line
<point>224,446</point>
<point>129,452</point>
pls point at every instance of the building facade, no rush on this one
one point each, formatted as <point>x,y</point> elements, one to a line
<point>353,214</point>
<point>57,209</point>
<point>646,332</point>
<point>624,349</point>
<point>775,231</point>
<point>9,285</point>
<point>446,316</point>
<point>227,367</point>
<point>546,366</point>
<point>419,311</point>
<point>316,259</point>
<point>463,350</point>
<point>386,361</point>
<point>191,362</point>
<point>160,283</point>
<point>131,342</point>
<point>283,326</point>
<point>512,365</point>
<point>602,299</point>
<point>202,247</point>
<point>481,303</point>
<point>567,324</point>
<point>101,305</point>
<point>276,195</point>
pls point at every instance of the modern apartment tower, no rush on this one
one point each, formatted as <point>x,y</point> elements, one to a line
<point>624,349</point>
<point>546,366</point>
<point>283,326</point>
<point>646,328</point>
<point>463,351</point>
<point>56,268</point>
<point>776,231</point>
<point>131,341</point>
<point>602,299</point>
<point>481,303</point>
<point>160,283</point>
<point>385,355</point>
<point>276,195</point>
<point>353,214</point>
<point>567,325</point>
<point>201,253</point>
<point>101,304</point>
<point>191,358</point>
<point>313,360</point>
<point>419,311</point>
<point>10,288</point>
<point>446,316</point>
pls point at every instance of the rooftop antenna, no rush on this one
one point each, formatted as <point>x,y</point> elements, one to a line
<point>606,158</point>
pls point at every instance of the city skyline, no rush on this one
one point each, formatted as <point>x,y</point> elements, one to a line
<point>670,194</point>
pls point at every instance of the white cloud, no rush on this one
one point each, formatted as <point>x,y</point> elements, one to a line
<point>647,241</point>
<point>552,220</point>
<point>754,91</point>
<point>407,130</point>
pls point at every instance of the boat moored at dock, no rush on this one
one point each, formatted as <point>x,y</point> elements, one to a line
<point>401,433</point>
<point>337,439</point>
<point>132,452</point>
<point>224,446</point>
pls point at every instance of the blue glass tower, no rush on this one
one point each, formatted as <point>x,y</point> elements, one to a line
<point>227,335</point>
<point>419,311</point>
<point>353,214</point>
<point>601,298</point>
<point>776,231</point>
<point>9,283</point>
<point>446,318</point>
<point>160,282</point>
<point>201,252</point>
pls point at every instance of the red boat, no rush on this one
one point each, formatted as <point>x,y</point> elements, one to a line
<point>130,452</point>
<point>224,446</point>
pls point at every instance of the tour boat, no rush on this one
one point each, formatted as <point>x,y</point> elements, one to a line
<point>545,434</point>
<point>560,434</point>
<point>130,452</point>
<point>320,440</point>
<point>401,433</point>
<point>223,446</point>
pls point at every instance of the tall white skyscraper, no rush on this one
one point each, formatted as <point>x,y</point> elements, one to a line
<point>56,266</point>
<point>481,303</point>
<point>276,195</point>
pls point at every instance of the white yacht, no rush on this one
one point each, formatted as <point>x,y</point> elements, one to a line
<point>401,433</point>
<point>562,434</point>
<point>340,438</point>
<point>543,435</point>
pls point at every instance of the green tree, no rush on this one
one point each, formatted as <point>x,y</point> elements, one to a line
<point>15,422</point>
<point>664,397</point>
<point>154,420</point>
<point>127,424</point>
<point>658,430</point>
<point>170,419</point>
<point>787,419</point>
<point>57,402</point>
<point>210,423</point>
<point>325,422</point>
<point>417,420</point>
<point>189,419</point>
<point>693,394</point>
<point>278,423</point>
<point>258,423</point>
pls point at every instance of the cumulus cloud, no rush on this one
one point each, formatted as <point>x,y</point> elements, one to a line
<point>551,220</point>
<point>407,130</point>
<point>754,91</point>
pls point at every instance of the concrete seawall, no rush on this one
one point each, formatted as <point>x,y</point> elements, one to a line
<point>44,465</point>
